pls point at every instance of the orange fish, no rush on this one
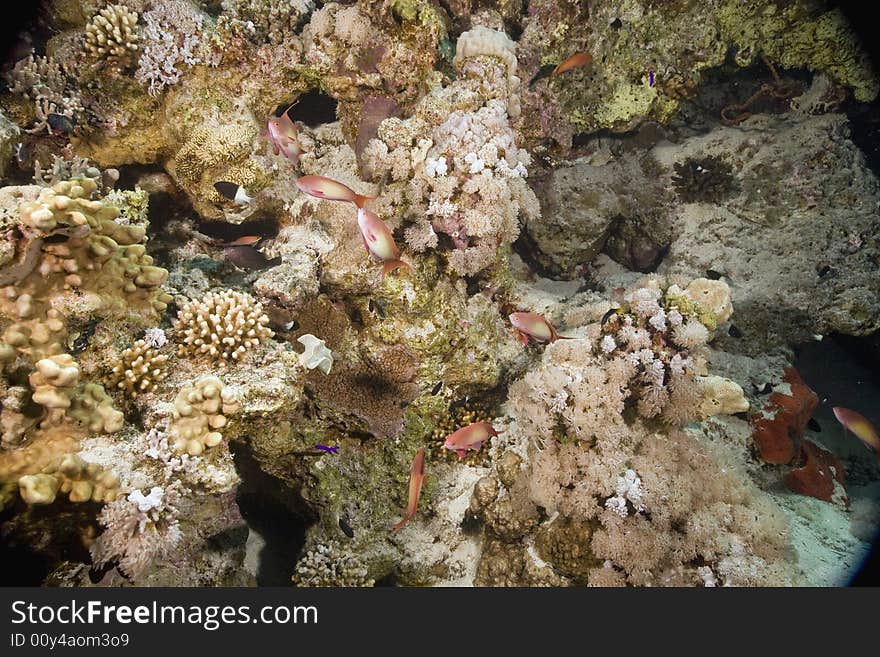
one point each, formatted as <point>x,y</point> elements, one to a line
<point>575,61</point>
<point>331,190</point>
<point>416,479</point>
<point>379,241</point>
<point>860,426</point>
<point>283,135</point>
<point>535,326</point>
<point>470,437</point>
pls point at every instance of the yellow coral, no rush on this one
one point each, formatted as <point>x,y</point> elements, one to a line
<point>111,35</point>
<point>199,411</point>
<point>223,325</point>
<point>69,474</point>
<point>139,369</point>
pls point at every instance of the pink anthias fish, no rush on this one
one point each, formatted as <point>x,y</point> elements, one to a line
<point>379,241</point>
<point>330,190</point>
<point>860,426</point>
<point>283,135</point>
<point>470,437</point>
<point>535,326</point>
<point>416,479</point>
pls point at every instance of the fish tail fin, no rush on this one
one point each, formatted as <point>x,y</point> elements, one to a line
<point>390,265</point>
<point>360,200</point>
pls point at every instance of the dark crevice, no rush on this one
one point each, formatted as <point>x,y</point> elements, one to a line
<point>314,108</point>
<point>276,512</point>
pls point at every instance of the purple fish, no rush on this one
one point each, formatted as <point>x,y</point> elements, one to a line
<point>324,448</point>
<point>650,78</point>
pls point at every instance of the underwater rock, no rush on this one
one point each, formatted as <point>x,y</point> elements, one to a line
<point>807,202</point>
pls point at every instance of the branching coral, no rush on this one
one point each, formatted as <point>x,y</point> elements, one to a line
<point>172,37</point>
<point>111,35</point>
<point>222,325</point>
<point>139,369</point>
<point>44,81</point>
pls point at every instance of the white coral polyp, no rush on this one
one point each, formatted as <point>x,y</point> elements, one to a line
<point>435,166</point>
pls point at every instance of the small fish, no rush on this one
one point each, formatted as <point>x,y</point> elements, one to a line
<point>535,326</point>
<point>233,192</point>
<point>247,240</point>
<point>575,61</point>
<point>330,190</point>
<point>859,425</point>
<point>345,527</point>
<point>60,123</point>
<point>470,437</point>
<point>324,448</point>
<point>376,307</point>
<point>248,258</point>
<point>650,78</point>
<point>543,72</point>
<point>379,241</point>
<point>283,135</point>
<point>608,315</point>
<point>416,479</point>
<point>436,387</point>
<point>24,155</point>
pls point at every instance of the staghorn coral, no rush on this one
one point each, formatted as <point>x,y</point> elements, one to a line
<point>222,325</point>
<point>199,411</point>
<point>71,475</point>
<point>111,35</point>
<point>140,368</point>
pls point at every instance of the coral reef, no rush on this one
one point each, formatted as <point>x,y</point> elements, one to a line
<point>168,352</point>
